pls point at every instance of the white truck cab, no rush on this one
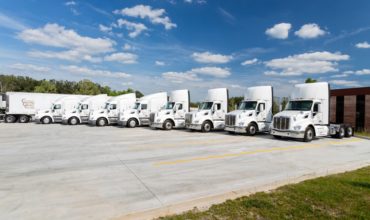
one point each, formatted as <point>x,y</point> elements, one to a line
<point>58,108</point>
<point>140,113</point>
<point>211,113</point>
<point>110,113</point>
<point>81,113</point>
<point>306,115</point>
<point>254,113</point>
<point>172,115</point>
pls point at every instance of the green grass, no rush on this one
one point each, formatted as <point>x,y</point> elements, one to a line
<point>341,196</point>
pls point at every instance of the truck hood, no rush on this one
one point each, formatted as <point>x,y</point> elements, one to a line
<point>241,112</point>
<point>296,115</point>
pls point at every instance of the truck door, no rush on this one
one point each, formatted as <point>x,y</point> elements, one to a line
<point>317,113</point>
<point>179,111</point>
<point>112,113</point>
<point>261,112</point>
<point>217,111</point>
<point>144,112</point>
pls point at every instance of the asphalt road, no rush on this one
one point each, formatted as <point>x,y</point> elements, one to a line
<point>82,172</point>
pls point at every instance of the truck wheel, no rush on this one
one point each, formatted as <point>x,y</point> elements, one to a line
<point>101,122</point>
<point>167,125</point>
<point>10,119</point>
<point>341,133</point>
<point>251,129</point>
<point>23,119</point>
<point>206,126</point>
<point>308,135</point>
<point>46,120</point>
<point>73,121</point>
<point>349,131</point>
<point>131,123</point>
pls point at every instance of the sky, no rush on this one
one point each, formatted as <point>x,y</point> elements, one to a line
<point>163,45</point>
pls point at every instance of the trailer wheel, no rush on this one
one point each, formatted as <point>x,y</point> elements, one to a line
<point>23,119</point>
<point>341,133</point>
<point>101,122</point>
<point>73,121</point>
<point>10,119</point>
<point>206,126</point>
<point>251,129</point>
<point>308,135</point>
<point>131,123</point>
<point>349,131</point>
<point>167,125</point>
<point>46,120</point>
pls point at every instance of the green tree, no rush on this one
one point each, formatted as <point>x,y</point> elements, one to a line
<point>46,87</point>
<point>310,80</point>
<point>234,101</point>
<point>87,87</point>
<point>283,103</point>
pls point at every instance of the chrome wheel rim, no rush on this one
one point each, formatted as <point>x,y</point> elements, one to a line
<point>46,120</point>
<point>132,123</point>
<point>309,134</point>
<point>252,130</point>
<point>168,125</point>
<point>73,121</point>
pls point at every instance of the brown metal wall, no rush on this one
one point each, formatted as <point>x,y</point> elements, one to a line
<point>333,109</point>
<point>350,110</point>
<point>367,112</point>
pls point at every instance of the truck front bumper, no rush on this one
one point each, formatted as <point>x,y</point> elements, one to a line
<point>194,126</point>
<point>122,123</point>
<point>92,122</point>
<point>292,134</point>
<point>156,125</point>
<point>236,129</point>
<point>64,121</point>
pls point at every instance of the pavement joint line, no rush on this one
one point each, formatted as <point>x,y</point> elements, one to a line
<point>275,149</point>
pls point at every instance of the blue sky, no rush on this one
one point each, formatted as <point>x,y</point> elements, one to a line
<point>161,45</point>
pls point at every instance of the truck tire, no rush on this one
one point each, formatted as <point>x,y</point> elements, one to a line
<point>251,129</point>
<point>167,125</point>
<point>46,120</point>
<point>101,122</point>
<point>10,119</point>
<point>341,133</point>
<point>23,119</point>
<point>349,132</point>
<point>206,126</point>
<point>309,134</point>
<point>73,121</point>
<point>131,123</point>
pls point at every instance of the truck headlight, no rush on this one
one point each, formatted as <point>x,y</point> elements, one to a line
<point>241,123</point>
<point>297,128</point>
<point>196,121</point>
<point>158,120</point>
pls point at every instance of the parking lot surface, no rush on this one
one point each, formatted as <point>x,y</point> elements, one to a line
<point>82,172</point>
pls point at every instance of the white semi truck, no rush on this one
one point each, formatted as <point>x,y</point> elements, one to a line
<point>87,105</point>
<point>211,113</point>
<point>172,115</point>
<point>254,113</point>
<point>54,113</point>
<point>306,115</point>
<point>113,107</point>
<point>139,115</point>
<point>23,106</point>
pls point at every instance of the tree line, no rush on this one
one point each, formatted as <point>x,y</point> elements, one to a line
<point>84,87</point>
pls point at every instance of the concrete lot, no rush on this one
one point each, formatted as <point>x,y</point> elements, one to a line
<point>82,172</point>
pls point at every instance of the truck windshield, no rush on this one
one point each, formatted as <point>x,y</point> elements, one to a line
<point>106,105</point>
<point>206,106</point>
<point>57,106</point>
<point>247,106</point>
<point>299,106</point>
<point>137,105</point>
<point>169,105</point>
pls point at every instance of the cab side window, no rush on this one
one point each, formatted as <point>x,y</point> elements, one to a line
<point>144,106</point>
<point>113,106</point>
<point>218,106</point>
<point>179,107</point>
<point>261,107</point>
<point>316,107</point>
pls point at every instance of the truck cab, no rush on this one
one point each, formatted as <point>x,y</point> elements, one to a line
<point>111,111</point>
<point>172,114</point>
<point>81,114</point>
<point>211,113</point>
<point>306,115</point>
<point>254,113</point>
<point>140,113</point>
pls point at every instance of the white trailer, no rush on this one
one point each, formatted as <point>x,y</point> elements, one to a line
<point>110,113</point>
<point>139,115</point>
<point>306,115</point>
<point>211,113</point>
<point>172,115</point>
<point>23,106</point>
<point>87,105</point>
<point>54,113</point>
<point>254,113</point>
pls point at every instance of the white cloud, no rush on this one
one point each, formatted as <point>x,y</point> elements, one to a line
<point>69,55</point>
<point>207,57</point>
<point>135,28</point>
<point>308,31</point>
<point>363,45</point>
<point>29,67</point>
<point>192,75</point>
<point>127,83</point>
<point>363,72</point>
<point>70,3</point>
<point>294,81</point>
<point>249,62</point>
<point>155,16</point>
<point>125,58</point>
<point>212,71</point>
<point>345,83</point>
<point>339,75</point>
<point>159,63</point>
<point>279,31</point>
<point>10,23</point>
<point>84,71</point>
<point>127,47</point>
<point>179,77</point>
<point>306,63</point>
<point>104,28</point>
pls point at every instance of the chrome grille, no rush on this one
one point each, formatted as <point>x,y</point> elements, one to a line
<point>152,117</point>
<point>230,120</point>
<point>188,118</point>
<point>281,123</point>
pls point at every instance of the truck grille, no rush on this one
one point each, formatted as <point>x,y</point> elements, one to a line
<point>281,123</point>
<point>188,118</point>
<point>152,117</point>
<point>230,120</point>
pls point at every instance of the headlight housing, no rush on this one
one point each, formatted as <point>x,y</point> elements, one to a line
<point>297,127</point>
